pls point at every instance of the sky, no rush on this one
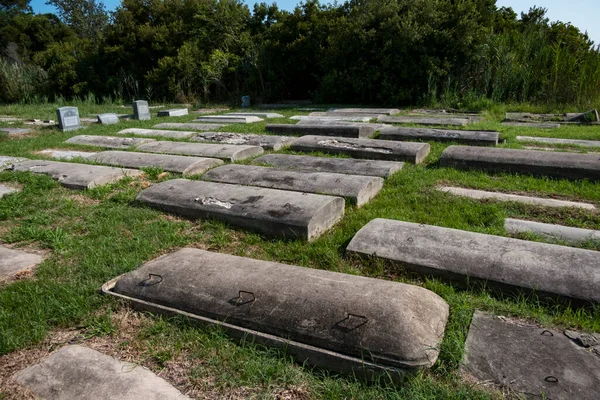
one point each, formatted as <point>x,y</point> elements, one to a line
<point>581,13</point>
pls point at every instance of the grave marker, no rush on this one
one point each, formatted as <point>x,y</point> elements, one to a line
<point>192,126</point>
<point>267,142</point>
<point>109,142</point>
<point>141,111</point>
<point>256,114</point>
<point>424,121</point>
<point>229,152</point>
<point>482,138</point>
<point>157,132</point>
<point>566,233</point>
<point>322,130</point>
<point>4,190</point>
<point>68,118</point>
<point>108,119</point>
<point>229,119</point>
<point>13,261</point>
<point>174,112</point>
<point>576,142</point>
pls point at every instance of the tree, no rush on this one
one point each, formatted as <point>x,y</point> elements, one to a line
<point>86,17</point>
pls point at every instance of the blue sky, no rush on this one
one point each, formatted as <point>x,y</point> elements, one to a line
<point>581,13</point>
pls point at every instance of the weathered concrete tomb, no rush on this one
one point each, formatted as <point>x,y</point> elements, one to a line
<point>229,119</point>
<point>76,176</point>
<point>4,190</point>
<point>565,233</point>
<point>480,138</point>
<point>267,142</point>
<point>269,211</point>
<point>384,111</point>
<point>536,362</point>
<point>15,131</point>
<point>65,154</point>
<point>540,125</point>
<point>267,115</point>
<point>343,114</point>
<point>575,142</point>
<point>141,111</point>
<point>375,126</point>
<point>260,299</point>
<point>158,133</point>
<point>332,118</point>
<point>108,142</point>
<point>504,263</point>
<point>544,163</point>
<point>188,125</point>
<point>7,162</point>
<point>174,112</point>
<point>230,152</point>
<point>13,261</point>
<point>327,164</point>
<point>185,165</point>
<point>498,196</point>
<point>78,372</point>
<point>322,130</point>
<point>364,148</point>
<point>424,121</point>
<point>68,118</point>
<point>108,119</point>
<point>359,189</point>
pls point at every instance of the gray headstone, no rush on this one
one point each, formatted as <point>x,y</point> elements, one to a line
<point>77,372</point>
<point>191,126</point>
<point>4,190</point>
<point>228,119</point>
<point>13,261</point>
<point>76,176</point>
<point>566,233</point>
<point>482,138</point>
<point>158,133</point>
<point>65,154</point>
<point>269,211</point>
<point>229,152</point>
<point>175,112</point>
<point>403,332</point>
<point>531,360</point>
<point>503,263</point>
<point>181,164</point>
<point>141,111</point>
<point>15,131</point>
<point>539,163</point>
<point>536,201</point>
<point>108,119</point>
<point>322,130</point>
<point>7,162</point>
<point>267,142</point>
<point>364,148</point>
<point>384,111</point>
<point>256,114</point>
<point>541,125</point>
<point>330,164</point>
<point>356,188</point>
<point>583,143</point>
<point>424,121</point>
<point>109,142</point>
<point>68,118</point>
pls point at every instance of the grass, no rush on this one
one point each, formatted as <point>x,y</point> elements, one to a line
<point>95,235</point>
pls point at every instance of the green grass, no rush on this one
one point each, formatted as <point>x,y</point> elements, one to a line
<point>96,235</point>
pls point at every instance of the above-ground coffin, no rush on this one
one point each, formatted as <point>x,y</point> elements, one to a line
<point>341,322</point>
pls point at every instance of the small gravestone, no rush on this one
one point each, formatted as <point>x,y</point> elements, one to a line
<point>68,118</point>
<point>141,111</point>
<point>15,131</point>
<point>175,112</point>
<point>108,119</point>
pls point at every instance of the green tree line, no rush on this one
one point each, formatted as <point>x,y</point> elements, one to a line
<point>388,52</point>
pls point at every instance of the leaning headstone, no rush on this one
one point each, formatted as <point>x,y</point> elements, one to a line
<point>108,142</point>
<point>192,126</point>
<point>180,164</point>
<point>342,324</point>
<point>141,111</point>
<point>565,233</point>
<point>575,142</point>
<point>68,118</point>
<point>175,112</point>
<point>13,261</point>
<point>158,133</point>
<point>108,119</point>
<point>424,121</point>
<point>329,164</point>
<point>76,176</point>
<point>65,154</point>
<point>322,130</point>
<point>4,190</point>
<point>506,264</point>
<point>256,114</point>
<point>544,163</point>
<point>228,119</point>
<point>267,142</point>
<point>78,372</point>
<point>229,152</point>
<point>529,360</point>
<point>536,201</point>
<point>15,131</point>
<point>358,189</point>
<point>364,148</point>
<point>7,162</point>
<point>269,211</point>
<point>481,138</point>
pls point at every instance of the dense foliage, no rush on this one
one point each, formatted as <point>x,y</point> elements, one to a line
<point>360,51</point>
